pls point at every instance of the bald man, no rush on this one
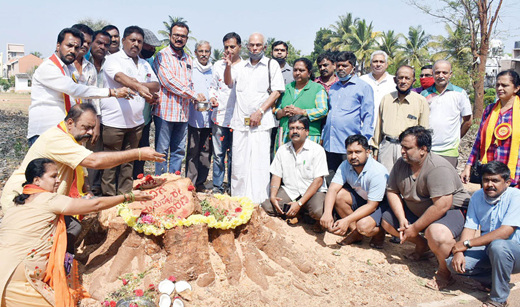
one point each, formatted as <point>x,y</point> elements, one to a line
<point>257,85</point>
<point>450,112</point>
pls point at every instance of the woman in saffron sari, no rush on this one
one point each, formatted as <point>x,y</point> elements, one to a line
<point>33,239</point>
<point>498,137</point>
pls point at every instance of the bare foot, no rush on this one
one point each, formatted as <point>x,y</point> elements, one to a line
<point>351,238</point>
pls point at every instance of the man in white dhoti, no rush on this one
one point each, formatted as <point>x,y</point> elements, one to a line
<point>258,84</point>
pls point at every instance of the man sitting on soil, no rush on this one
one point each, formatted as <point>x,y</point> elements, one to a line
<point>425,194</point>
<point>302,165</point>
<point>357,194</point>
<point>492,257</point>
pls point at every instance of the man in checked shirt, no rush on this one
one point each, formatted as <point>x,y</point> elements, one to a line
<point>174,71</point>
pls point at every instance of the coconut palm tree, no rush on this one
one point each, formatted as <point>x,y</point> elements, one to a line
<point>217,55</point>
<point>455,47</point>
<point>389,43</point>
<point>416,46</point>
<point>339,38</point>
<point>362,40</point>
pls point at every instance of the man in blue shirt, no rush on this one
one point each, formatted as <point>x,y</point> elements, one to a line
<point>493,256</point>
<point>351,110</point>
<point>357,194</point>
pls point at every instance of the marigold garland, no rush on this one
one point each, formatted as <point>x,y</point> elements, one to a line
<point>157,226</point>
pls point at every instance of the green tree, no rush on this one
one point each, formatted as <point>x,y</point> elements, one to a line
<point>362,41</point>
<point>37,54</point>
<point>217,55</point>
<point>478,18</point>
<point>5,84</point>
<point>321,39</point>
<point>390,43</point>
<point>95,24</point>
<point>454,47</point>
<point>339,38</point>
<point>416,46</point>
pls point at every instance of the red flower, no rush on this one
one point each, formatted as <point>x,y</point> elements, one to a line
<point>106,303</point>
<point>140,176</point>
<point>191,188</point>
<point>149,178</point>
<point>151,287</point>
<point>125,282</point>
<point>221,138</point>
<point>139,292</point>
<point>112,304</point>
<point>177,172</point>
<point>230,130</point>
<point>238,209</point>
<point>226,212</point>
<point>206,213</point>
<point>172,278</point>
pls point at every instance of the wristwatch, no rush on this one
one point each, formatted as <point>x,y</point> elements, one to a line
<point>261,111</point>
<point>467,244</point>
<point>300,203</point>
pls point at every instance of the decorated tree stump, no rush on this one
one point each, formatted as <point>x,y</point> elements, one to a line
<point>174,235</point>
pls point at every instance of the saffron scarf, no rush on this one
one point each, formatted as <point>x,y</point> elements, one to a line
<point>30,189</point>
<point>55,273</point>
<point>76,189</point>
<point>487,134</point>
<point>66,98</point>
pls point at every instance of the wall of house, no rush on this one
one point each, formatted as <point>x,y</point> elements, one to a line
<point>21,84</point>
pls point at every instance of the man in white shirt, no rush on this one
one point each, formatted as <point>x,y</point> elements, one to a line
<point>122,119</point>
<point>302,165</point>
<point>198,154</point>
<point>257,88</point>
<point>382,83</point>
<point>53,89</point>
<point>450,113</point>
<point>223,103</point>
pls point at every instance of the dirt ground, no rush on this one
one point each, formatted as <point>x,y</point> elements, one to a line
<point>343,276</point>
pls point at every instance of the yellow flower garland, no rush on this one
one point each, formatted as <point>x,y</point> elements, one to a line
<point>158,227</point>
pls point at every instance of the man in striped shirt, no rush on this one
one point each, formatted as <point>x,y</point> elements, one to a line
<point>174,71</point>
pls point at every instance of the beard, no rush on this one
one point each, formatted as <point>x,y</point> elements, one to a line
<point>67,61</point>
<point>177,48</point>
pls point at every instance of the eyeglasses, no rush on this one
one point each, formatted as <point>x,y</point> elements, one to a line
<point>296,128</point>
<point>425,75</point>
<point>180,36</point>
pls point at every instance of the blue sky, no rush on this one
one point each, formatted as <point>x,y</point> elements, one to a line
<point>37,23</point>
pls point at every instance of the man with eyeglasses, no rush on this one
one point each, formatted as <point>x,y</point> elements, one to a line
<point>426,79</point>
<point>302,165</point>
<point>450,113</point>
<point>174,70</point>
<point>398,110</point>
<point>257,85</point>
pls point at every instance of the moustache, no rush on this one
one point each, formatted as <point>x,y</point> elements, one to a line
<point>83,136</point>
<point>325,71</point>
<point>295,134</point>
<point>491,189</point>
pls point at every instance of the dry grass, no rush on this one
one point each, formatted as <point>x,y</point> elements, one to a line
<point>15,102</point>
